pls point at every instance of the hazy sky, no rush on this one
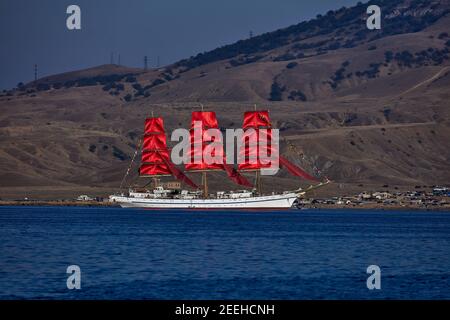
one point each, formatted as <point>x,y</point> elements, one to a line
<point>35,31</point>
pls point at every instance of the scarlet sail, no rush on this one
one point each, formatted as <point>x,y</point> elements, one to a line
<point>155,160</point>
<point>200,140</point>
<point>296,171</point>
<point>256,119</point>
<point>154,125</point>
<point>154,149</point>
<point>236,177</point>
<point>257,138</point>
<point>201,144</point>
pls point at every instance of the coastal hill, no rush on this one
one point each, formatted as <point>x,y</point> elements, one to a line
<point>369,108</point>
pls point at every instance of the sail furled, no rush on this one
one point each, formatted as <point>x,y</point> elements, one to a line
<point>257,136</point>
<point>200,140</point>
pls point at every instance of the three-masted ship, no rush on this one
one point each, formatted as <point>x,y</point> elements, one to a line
<point>156,164</point>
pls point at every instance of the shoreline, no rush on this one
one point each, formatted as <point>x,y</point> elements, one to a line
<point>377,207</point>
<point>56,203</point>
<point>106,204</point>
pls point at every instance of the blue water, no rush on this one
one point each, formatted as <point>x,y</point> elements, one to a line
<point>296,254</point>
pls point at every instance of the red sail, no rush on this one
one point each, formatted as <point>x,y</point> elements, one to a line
<point>154,169</point>
<point>208,120</point>
<point>259,121</point>
<point>236,177</point>
<point>154,125</point>
<point>154,141</point>
<point>155,156</point>
<point>179,174</point>
<point>154,149</point>
<point>256,119</point>
<point>155,159</point>
<point>296,171</point>
<point>255,139</point>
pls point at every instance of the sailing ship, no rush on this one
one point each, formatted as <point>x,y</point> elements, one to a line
<point>156,164</point>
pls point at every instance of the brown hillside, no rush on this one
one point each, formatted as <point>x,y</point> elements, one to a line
<point>366,109</point>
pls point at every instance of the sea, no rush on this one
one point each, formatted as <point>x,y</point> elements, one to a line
<point>292,254</point>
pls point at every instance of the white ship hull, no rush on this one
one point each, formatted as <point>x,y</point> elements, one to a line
<point>281,201</point>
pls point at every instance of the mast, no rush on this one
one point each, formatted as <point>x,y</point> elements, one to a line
<point>155,182</point>
<point>204,175</point>
<point>258,181</point>
<point>205,185</point>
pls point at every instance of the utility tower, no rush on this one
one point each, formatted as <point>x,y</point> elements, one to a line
<point>35,72</point>
<point>145,62</point>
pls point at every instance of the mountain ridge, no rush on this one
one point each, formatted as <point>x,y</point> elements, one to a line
<point>329,36</point>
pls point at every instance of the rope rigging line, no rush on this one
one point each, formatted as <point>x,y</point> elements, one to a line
<point>293,148</point>
<point>131,164</point>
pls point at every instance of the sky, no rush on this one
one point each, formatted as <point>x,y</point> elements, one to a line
<point>35,31</point>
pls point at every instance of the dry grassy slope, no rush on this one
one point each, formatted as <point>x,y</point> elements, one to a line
<point>45,143</point>
<point>391,130</point>
<point>219,81</point>
<point>252,82</point>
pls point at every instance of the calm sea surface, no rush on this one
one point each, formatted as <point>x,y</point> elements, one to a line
<point>296,254</point>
